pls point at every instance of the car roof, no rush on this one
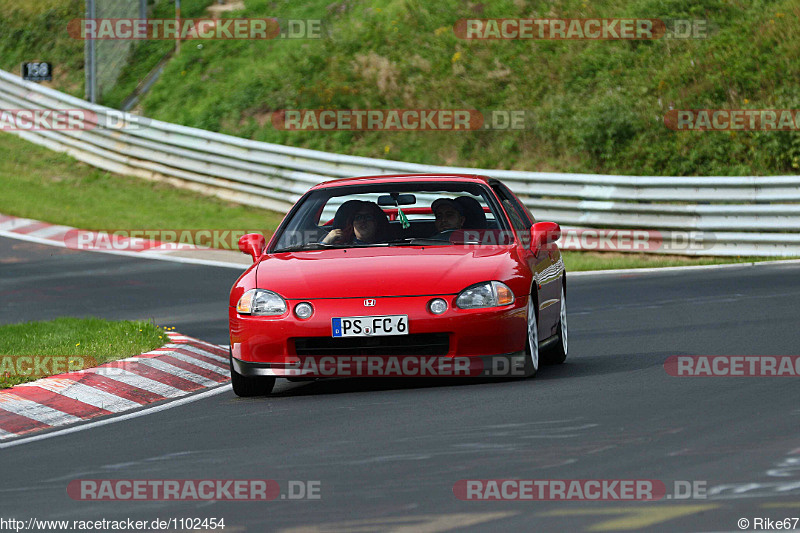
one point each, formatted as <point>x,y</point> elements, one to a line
<point>402,178</point>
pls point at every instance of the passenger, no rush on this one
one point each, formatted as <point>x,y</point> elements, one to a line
<point>449,216</point>
<point>474,216</point>
<point>360,223</point>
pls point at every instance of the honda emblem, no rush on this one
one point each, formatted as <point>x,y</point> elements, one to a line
<point>369,303</point>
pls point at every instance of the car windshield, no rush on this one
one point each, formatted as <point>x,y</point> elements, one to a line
<point>395,214</point>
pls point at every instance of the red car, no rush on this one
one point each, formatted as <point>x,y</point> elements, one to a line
<point>447,266</point>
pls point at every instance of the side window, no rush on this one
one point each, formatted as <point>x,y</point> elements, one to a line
<point>520,217</point>
<point>530,215</point>
<point>517,219</point>
<point>518,214</point>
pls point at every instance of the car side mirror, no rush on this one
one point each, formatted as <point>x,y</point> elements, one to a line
<point>544,235</point>
<point>253,244</point>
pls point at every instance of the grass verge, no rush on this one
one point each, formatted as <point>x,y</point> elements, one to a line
<point>70,343</point>
<point>45,185</point>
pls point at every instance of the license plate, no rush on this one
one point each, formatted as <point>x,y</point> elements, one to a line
<point>370,326</point>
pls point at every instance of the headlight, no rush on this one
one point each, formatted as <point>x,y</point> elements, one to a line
<point>261,302</point>
<point>488,294</point>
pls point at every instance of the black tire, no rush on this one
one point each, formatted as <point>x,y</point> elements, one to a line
<point>248,386</point>
<point>557,353</point>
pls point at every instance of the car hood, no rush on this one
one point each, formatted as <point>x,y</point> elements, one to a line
<point>375,272</point>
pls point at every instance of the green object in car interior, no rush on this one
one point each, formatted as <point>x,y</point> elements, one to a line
<point>403,218</point>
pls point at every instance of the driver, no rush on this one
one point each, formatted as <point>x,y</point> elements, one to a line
<point>449,215</point>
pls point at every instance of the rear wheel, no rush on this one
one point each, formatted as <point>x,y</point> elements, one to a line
<point>246,386</point>
<point>532,344</point>
<point>557,354</point>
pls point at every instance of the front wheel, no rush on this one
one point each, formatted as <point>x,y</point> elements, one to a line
<point>557,354</point>
<point>247,386</point>
<point>532,344</point>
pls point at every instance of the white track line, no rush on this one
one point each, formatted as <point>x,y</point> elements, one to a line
<point>146,411</point>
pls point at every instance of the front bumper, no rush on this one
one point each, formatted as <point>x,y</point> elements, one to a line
<point>491,332</point>
<point>501,365</point>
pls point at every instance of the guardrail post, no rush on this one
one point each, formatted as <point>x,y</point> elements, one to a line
<point>90,57</point>
<point>178,18</point>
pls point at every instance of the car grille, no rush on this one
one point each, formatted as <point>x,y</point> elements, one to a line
<point>416,344</point>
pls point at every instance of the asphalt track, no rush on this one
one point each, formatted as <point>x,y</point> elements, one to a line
<point>388,452</point>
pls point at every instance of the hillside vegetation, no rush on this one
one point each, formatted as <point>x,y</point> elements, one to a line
<point>598,105</point>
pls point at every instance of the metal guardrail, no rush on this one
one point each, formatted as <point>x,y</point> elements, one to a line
<point>714,215</point>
